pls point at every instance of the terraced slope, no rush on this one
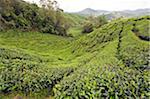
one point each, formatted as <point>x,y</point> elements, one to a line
<point>111,62</point>
<point>116,63</point>
<point>31,62</point>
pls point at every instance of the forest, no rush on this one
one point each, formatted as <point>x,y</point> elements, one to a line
<point>47,53</point>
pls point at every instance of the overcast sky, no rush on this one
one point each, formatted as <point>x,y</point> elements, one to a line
<point>111,5</point>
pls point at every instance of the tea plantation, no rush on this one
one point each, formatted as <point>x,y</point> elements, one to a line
<point>111,62</point>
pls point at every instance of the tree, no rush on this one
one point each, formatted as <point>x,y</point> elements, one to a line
<point>93,22</point>
<point>101,20</point>
<point>55,15</point>
<point>27,17</point>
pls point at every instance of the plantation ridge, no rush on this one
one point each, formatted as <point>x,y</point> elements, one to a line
<point>46,53</point>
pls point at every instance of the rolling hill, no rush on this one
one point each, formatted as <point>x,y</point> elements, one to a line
<point>110,62</point>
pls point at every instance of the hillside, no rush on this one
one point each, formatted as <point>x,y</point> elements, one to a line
<point>110,62</point>
<point>24,16</point>
<point>74,19</point>
<point>115,60</point>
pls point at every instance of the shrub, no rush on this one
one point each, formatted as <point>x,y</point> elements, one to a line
<point>87,28</point>
<point>101,20</point>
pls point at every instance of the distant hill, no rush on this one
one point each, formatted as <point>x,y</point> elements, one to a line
<point>89,11</point>
<point>128,13</point>
<point>115,14</point>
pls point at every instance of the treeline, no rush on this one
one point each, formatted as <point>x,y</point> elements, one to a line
<point>18,14</point>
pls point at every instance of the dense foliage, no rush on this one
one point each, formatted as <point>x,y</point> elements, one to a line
<point>93,22</point>
<point>87,28</point>
<point>27,67</point>
<point>17,14</point>
<point>117,68</point>
<point>110,62</point>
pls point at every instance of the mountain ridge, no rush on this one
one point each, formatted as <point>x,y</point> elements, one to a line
<point>114,14</point>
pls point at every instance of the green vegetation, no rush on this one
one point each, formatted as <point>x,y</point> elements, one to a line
<point>141,29</point>
<point>74,19</point>
<point>116,65</point>
<point>28,61</point>
<point>88,28</point>
<point>110,62</point>
<point>17,14</point>
<point>93,22</point>
<point>101,20</point>
<point>75,31</point>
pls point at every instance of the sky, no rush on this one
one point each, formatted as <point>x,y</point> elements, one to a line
<point>110,5</point>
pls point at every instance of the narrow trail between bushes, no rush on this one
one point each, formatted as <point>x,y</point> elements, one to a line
<point>119,41</point>
<point>56,81</point>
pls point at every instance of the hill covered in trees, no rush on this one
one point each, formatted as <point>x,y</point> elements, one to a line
<point>49,18</point>
<point>112,61</point>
